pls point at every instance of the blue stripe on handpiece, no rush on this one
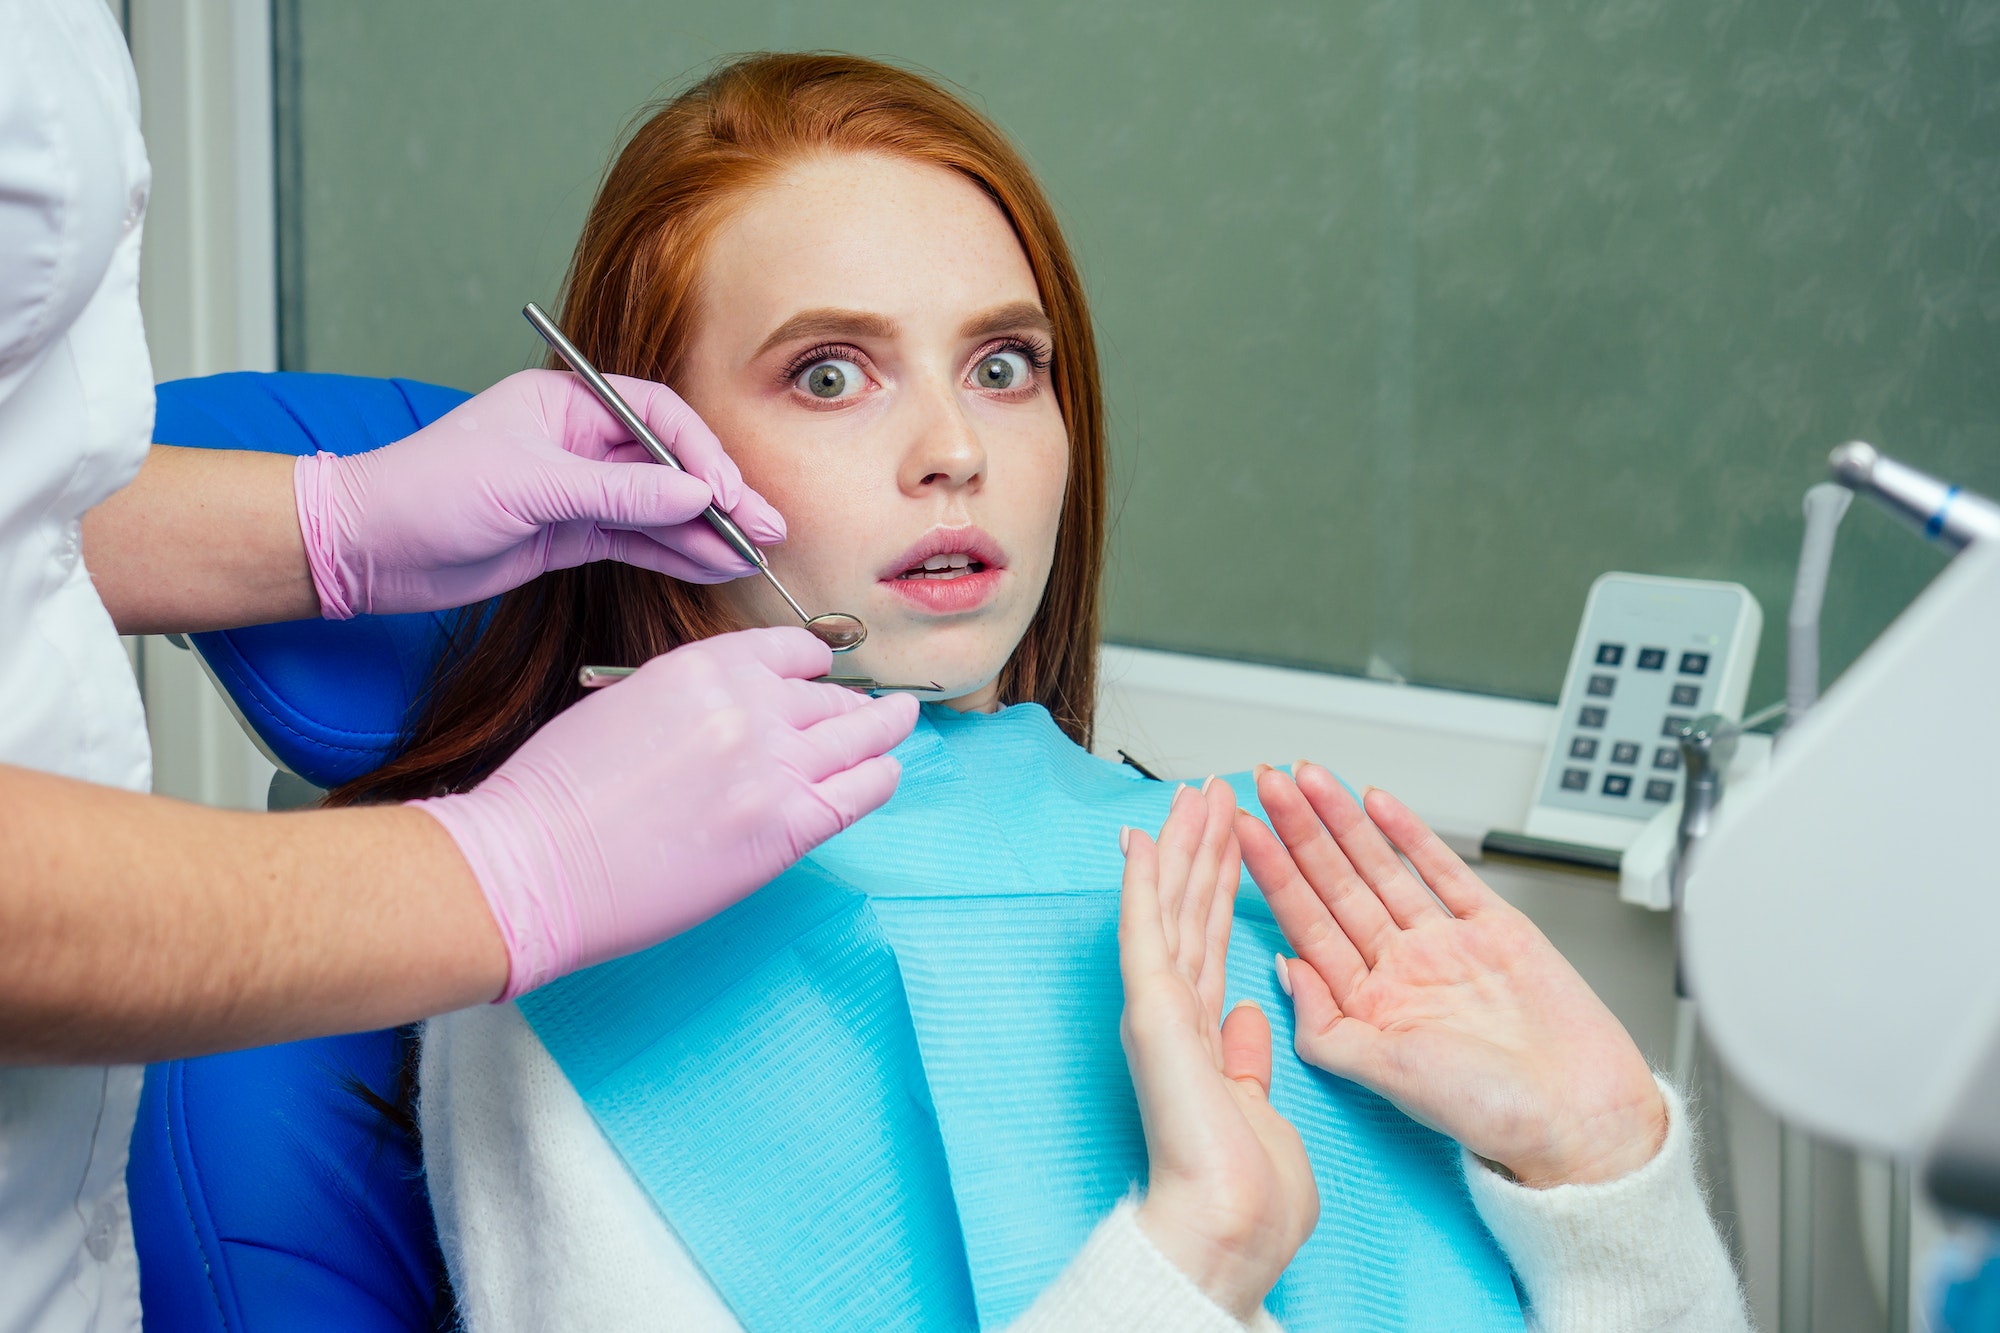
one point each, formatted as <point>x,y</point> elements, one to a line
<point>1936,523</point>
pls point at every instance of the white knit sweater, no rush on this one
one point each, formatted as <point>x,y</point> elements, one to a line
<point>544,1228</point>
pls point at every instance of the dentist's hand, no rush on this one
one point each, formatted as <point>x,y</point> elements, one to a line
<point>1230,1195</point>
<point>529,476</point>
<point>650,806</point>
<point>1467,1019</point>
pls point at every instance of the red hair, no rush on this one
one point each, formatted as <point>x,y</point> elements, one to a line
<point>630,302</point>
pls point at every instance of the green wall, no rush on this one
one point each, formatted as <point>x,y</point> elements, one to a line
<point>1416,316</point>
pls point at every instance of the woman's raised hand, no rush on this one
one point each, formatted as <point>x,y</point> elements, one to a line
<point>1230,1195</point>
<point>1467,1019</point>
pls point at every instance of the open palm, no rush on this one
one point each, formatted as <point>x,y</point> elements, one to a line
<point>1230,1194</point>
<point>1436,993</point>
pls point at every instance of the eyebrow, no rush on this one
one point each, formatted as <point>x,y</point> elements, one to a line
<point>1001,319</point>
<point>832,322</point>
<point>829,322</point>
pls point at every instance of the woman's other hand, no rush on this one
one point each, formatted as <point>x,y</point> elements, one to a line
<point>1230,1195</point>
<point>1467,1019</point>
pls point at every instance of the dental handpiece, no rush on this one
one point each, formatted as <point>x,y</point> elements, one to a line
<point>1941,511</point>
<point>838,630</point>
<point>597,677</point>
<point>1708,747</point>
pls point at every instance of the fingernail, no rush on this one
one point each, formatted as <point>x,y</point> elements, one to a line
<point>1298,767</point>
<point>1284,976</point>
<point>1366,789</point>
<point>1245,1004</point>
<point>1260,770</point>
<point>1124,838</point>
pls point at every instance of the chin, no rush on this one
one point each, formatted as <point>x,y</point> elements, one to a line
<point>953,686</point>
<point>958,673</point>
<point>966,698</point>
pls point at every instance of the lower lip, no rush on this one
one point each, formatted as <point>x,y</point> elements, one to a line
<point>946,596</point>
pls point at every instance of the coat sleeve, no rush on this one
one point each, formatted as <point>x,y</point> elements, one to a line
<point>70,155</point>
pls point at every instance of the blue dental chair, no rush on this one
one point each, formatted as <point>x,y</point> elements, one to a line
<point>268,1191</point>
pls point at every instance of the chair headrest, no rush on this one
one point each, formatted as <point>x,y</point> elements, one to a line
<point>328,698</point>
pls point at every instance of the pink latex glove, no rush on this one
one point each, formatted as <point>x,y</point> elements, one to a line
<point>531,475</point>
<point>652,805</point>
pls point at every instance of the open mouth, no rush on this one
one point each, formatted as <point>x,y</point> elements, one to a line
<point>948,570</point>
<point>956,565</point>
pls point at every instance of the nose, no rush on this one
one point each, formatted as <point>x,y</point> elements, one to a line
<point>945,450</point>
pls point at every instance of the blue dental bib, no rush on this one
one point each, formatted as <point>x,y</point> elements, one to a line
<point>887,1090</point>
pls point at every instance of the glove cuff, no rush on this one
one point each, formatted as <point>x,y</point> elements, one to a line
<point>531,852</point>
<point>312,486</point>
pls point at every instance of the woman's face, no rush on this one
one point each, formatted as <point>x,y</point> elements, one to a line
<point>872,351</point>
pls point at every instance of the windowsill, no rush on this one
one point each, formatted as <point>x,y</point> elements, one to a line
<point>1465,762</point>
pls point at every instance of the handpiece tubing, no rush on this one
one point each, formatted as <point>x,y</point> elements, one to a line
<point>614,402</point>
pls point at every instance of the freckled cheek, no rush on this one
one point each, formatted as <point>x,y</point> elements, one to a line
<point>780,470</point>
<point>1048,483</point>
<point>835,518</point>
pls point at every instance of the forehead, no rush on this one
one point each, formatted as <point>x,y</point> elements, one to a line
<point>918,243</point>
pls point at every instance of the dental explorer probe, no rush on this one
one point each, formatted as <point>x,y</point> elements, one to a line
<point>836,629</point>
<point>597,677</point>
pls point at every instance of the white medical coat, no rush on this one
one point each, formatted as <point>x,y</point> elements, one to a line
<point>76,412</point>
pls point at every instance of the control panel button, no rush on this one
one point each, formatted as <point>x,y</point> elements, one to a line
<point>1583,747</point>
<point>1590,717</point>
<point>1617,784</point>
<point>1625,752</point>
<point>1667,757</point>
<point>1686,696</point>
<point>1576,779</point>
<point>1672,726</point>
<point>1694,664</point>
<point>1610,654</point>
<point>1660,789</point>
<point>1602,686</point>
<point>1652,659</point>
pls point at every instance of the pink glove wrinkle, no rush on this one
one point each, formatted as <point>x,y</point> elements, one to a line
<point>530,476</point>
<point>647,808</point>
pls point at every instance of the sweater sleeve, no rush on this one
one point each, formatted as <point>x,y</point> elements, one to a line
<point>1119,1282</point>
<point>1634,1255</point>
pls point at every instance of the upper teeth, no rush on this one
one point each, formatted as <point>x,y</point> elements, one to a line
<point>956,560</point>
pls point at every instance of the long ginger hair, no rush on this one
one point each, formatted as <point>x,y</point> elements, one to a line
<point>629,302</point>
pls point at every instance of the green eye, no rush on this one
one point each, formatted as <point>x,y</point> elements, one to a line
<point>832,379</point>
<point>828,379</point>
<point>1002,370</point>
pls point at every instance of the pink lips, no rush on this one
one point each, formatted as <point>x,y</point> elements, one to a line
<point>975,565</point>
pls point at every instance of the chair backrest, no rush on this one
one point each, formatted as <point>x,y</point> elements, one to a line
<point>269,1196</point>
<point>267,1193</point>
<point>328,699</point>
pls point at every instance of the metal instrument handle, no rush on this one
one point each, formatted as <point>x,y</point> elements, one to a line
<point>597,677</point>
<point>615,403</point>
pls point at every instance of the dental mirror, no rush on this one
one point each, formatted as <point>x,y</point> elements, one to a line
<point>836,629</point>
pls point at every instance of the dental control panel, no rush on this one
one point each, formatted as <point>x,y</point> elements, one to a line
<point>1651,655</point>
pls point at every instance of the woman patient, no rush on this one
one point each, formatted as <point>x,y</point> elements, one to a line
<point>919,1080</point>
